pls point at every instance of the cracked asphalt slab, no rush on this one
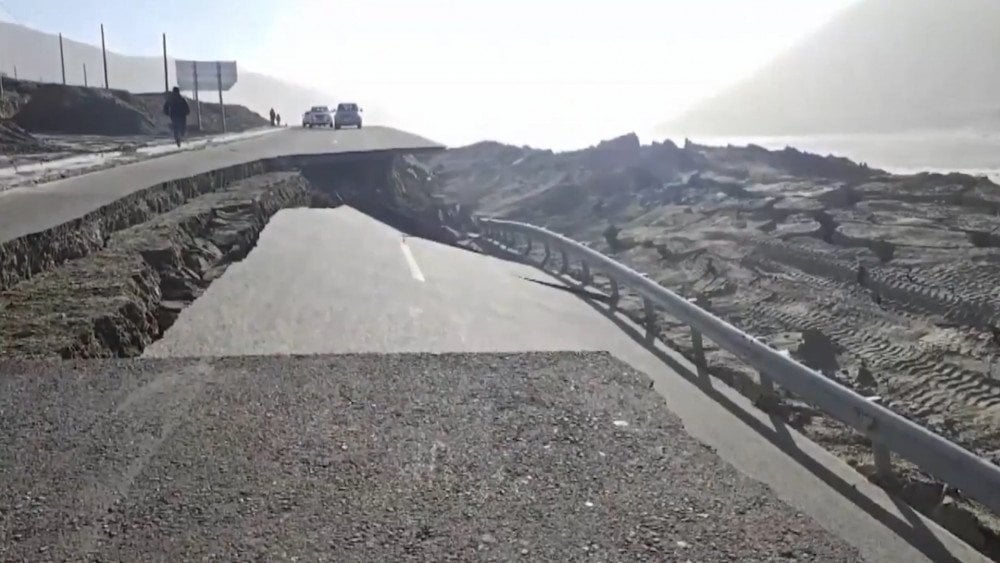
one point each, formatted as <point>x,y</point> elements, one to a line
<point>32,209</point>
<point>495,457</point>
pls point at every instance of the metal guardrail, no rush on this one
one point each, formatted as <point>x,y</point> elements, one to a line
<point>889,432</point>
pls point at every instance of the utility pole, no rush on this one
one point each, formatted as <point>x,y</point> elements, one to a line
<point>62,59</point>
<point>166,73</point>
<point>104,54</point>
<point>222,108</point>
<point>85,75</point>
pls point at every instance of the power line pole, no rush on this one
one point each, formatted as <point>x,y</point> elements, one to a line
<point>104,55</point>
<point>85,75</point>
<point>222,107</point>
<point>166,73</point>
<point>62,59</point>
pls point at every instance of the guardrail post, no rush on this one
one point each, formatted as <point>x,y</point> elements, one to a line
<point>615,294</point>
<point>548,254</point>
<point>883,461</point>
<point>881,453</point>
<point>767,393</point>
<point>698,348</point>
<point>649,311</point>
<point>528,245</point>
<point>564,267</point>
<point>585,278</point>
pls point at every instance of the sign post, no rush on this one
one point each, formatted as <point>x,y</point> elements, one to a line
<point>166,73</point>
<point>190,74</point>
<point>197,102</point>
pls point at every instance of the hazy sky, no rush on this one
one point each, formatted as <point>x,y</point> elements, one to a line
<point>552,73</point>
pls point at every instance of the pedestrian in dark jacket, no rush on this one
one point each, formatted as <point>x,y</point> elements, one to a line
<point>177,109</point>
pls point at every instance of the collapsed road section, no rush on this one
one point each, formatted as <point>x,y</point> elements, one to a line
<point>114,301</point>
<point>110,282</point>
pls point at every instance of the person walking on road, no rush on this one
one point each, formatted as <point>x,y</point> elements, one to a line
<point>177,109</point>
<point>272,117</point>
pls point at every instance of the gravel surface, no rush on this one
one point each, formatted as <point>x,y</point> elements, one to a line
<point>559,456</point>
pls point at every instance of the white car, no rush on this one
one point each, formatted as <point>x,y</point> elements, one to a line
<point>317,116</point>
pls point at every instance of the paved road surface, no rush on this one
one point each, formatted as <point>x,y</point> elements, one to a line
<point>334,281</point>
<point>552,457</point>
<point>36,208</point>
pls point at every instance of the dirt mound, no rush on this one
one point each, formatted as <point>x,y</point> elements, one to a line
<point>238,118</point>
<point>15,140</point>
<point>54,108</point>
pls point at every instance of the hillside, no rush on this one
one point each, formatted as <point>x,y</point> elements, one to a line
<point>75,110</point>
<point>36,55</point>
<point>881,66</point>
<point>885,283</point>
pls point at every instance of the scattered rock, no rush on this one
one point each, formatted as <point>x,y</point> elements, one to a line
<point>960,521</point>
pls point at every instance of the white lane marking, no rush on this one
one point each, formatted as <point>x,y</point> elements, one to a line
<point>412,262</point>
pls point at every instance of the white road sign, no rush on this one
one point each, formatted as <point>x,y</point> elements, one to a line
<point>206,75</point>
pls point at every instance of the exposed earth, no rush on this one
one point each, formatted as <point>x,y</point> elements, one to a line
<point>885,283</point>
<point>15,140</point>
<point>30,108</point>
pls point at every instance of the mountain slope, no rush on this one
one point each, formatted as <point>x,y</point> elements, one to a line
<point>36,55</point>
<point>882,65</point>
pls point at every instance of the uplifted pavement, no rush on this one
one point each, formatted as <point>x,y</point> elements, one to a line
<point>33,209</point>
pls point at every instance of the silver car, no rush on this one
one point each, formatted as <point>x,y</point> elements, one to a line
<point>348,115</point>
<point>317,116</point>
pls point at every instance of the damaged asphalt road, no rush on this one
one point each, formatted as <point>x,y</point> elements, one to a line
<point>538,457</point>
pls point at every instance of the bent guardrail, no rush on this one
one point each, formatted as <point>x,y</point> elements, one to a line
<point>889,432</point>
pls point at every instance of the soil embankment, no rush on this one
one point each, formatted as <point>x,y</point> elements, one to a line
<point>54,108</point>
<point>884,283</point>
<point>238,118</point>
<point>78,110</point>
<point>15,140</point>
